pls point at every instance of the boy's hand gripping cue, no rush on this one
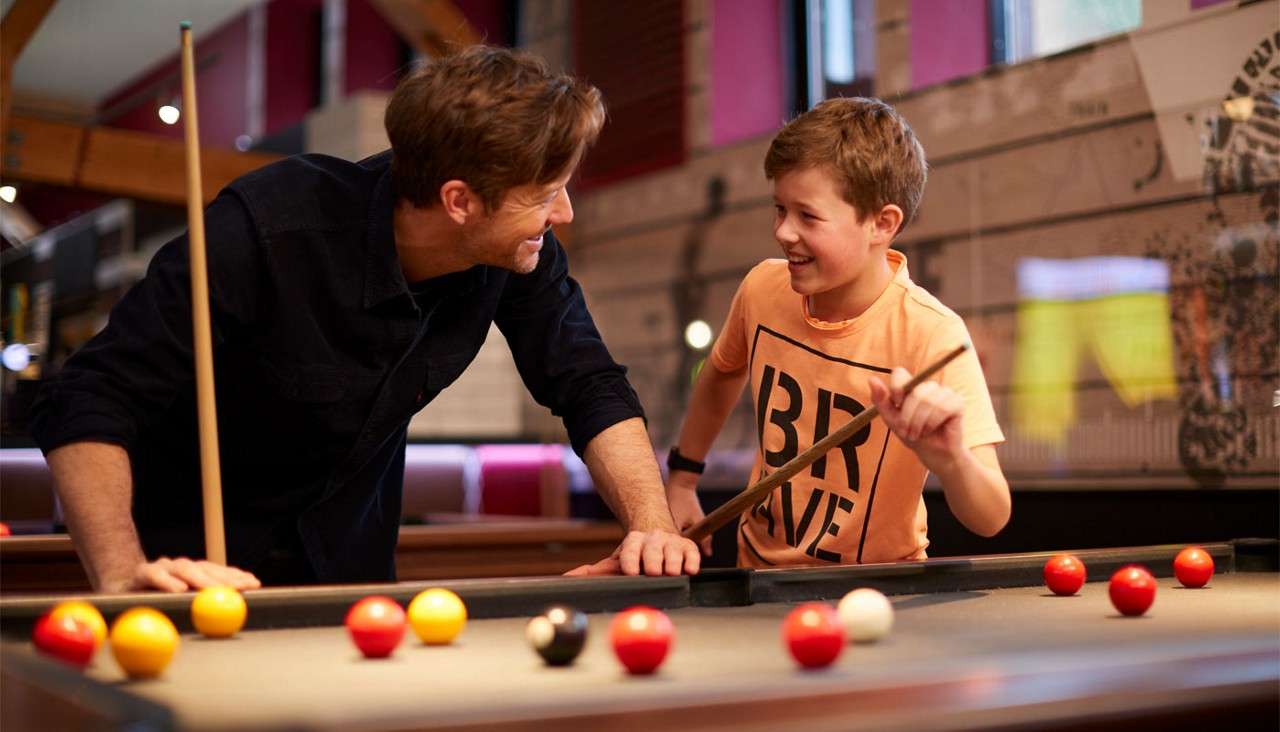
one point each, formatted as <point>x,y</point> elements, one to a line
<point>756,493</point>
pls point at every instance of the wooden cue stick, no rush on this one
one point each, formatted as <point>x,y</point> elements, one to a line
<point>210,471</point>
<point>756,493</point>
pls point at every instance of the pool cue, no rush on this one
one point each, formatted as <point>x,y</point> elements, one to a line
<point>215,545</point>
<point>756,493</point>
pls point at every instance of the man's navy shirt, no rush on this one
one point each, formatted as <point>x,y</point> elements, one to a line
<point>322,353</point>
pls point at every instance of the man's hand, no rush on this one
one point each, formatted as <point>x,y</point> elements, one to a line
<point>686,509</point>
<point>929,420</point>
<point>181,574</point>
<point>653,553</point>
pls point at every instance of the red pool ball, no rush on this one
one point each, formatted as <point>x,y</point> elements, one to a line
<point>641,637</point>
<point>376,624</point>
<point>1193,567</point>
<point>814,634</point>
<point>1132,589</point>
<point>5,530</point>
<point>1064,574</point>
<point>66,638</point>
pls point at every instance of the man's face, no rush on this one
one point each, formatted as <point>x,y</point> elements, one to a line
<point>511,236</point>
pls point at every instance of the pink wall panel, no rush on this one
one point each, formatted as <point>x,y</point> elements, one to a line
<point>488,18</point>
<point>221,73</point>
<point>949,39</point>
<point>747,87</point>
<point>292,57</point>
<point>373,49</point>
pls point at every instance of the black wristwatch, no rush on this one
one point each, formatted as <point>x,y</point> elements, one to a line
<point>676,461</point>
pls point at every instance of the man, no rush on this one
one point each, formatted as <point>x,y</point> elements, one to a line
<point>345,296</point>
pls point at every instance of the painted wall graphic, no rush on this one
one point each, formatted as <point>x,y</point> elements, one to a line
<point>1226,307</point>
<point>1114,310</point>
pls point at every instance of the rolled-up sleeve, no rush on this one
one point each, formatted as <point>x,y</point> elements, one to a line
<point>129,373</point>
<point>559,352</point>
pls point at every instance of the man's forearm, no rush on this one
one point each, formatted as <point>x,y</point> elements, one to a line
<point>977,491</point>
<point>624,470</point>
<point>94,483</point>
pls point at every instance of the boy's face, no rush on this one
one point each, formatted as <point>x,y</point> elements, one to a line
<point>825,244</point>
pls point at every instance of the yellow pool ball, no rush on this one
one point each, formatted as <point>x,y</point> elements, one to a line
<point>437,616</point>
<point>85,613</point>
<point>143,641</point>
<point>218,612</point>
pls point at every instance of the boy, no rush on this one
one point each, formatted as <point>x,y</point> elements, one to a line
<point>835,326</point>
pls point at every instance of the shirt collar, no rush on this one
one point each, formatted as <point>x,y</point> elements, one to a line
<point>383,278</point>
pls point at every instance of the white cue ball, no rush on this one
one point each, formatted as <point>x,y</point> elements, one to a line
<point>866,615</point>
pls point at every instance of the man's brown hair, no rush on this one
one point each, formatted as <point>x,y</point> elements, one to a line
<point>491,117</point>
<point>865,144</point>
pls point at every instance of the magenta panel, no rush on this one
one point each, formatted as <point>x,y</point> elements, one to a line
<point>511,477</point>
<point>747,93</point>
<point>373,56</point>
<point>1197,4</point>
<point>949,39</point>
<point>221,76</point>
<point>293,62</point>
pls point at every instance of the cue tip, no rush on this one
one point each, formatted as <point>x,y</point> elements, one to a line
<point>185,25</point>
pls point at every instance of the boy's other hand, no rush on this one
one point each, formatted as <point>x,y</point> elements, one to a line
<point>686,509</point>
<point>929,420</point>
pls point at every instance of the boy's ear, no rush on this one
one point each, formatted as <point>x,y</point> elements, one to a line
<point>460,202</point>
<point>887,223</point>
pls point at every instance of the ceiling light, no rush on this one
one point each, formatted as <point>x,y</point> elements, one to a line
<point>169,114</point>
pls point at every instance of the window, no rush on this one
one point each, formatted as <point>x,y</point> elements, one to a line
<point>1027,29</point>
<point>837,41</point>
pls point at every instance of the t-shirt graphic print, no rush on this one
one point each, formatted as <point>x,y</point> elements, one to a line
<point>861,502</point>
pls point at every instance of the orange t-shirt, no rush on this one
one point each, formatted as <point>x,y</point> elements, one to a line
<point>862,502</point>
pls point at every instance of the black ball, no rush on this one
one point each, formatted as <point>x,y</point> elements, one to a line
<point>558,634</point>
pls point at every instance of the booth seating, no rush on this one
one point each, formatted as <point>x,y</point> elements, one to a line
<point>509,480</point>
<point>486,511</point>
<point>523,480</point>
<point>27,503</point>
<point>439,479</point>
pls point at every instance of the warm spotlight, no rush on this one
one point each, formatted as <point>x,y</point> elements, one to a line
<point>1239,109</point>
<point>698,335</point>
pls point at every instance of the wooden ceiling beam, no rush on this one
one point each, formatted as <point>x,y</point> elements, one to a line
<point>115,161</point>
<point>433,27</point>
<point>16,29</point>
<point>19,24</point>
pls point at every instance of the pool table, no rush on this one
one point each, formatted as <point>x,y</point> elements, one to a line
<point>978,643</point>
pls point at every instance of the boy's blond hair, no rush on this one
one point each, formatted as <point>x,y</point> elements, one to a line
<point>865,144</point>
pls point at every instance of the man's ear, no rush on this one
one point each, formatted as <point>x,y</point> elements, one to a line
<point>460,202</point>
<point>887,223</point>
